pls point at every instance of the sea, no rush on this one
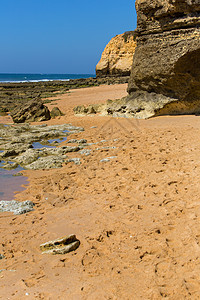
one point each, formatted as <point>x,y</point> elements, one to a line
<point>15,77</point>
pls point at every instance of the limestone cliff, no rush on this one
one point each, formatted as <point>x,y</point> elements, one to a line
<point>165,75</point>
<point>117,57</point>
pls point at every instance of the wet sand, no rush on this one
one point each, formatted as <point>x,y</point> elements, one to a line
<point>136,215</point>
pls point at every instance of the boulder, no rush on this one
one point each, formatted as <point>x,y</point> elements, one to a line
<point>32,111</point>
<point>56,112</point>
<point>165,75</point>
<point>117,57</point>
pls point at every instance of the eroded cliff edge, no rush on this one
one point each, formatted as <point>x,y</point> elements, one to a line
<point>165,76</point>
<point>117,56</point>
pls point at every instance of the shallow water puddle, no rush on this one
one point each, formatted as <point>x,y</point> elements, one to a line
<point>9,184</point>
<point>38,145</point>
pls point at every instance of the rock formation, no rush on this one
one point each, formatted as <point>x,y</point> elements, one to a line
<point>56,112</point>
<point>165,76</point>
<point>33,110</point>
<point>117,57</point>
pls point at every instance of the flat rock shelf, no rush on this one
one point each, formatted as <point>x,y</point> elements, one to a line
<point>31,147</point>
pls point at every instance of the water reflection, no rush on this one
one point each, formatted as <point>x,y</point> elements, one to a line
<point>9,184</point>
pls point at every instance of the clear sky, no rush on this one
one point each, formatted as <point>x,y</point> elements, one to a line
<point>60,36</point>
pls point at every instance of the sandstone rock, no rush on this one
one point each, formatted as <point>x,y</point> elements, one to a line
<point>82,141</point>
<point>73,141</point>
<point>60,246</point>
<point>117,57</point>
<point>76,160</point>
<point>85,152</point>
<point>108,159</point>
<point>27,157</point>
<point>33,110</point>
<point>56,112</point>
<point>8,153</point>
<point>16,207</point>
<point>16,146</point>
<point>90,109</point>
<point>49,162</point>
<point>165,76</point>
<point>9,165</point>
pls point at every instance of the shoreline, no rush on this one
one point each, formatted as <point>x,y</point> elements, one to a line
<point>136,215</point>
<point>13,95</point>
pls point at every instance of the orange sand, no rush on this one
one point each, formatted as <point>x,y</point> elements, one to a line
<point>137,216</point>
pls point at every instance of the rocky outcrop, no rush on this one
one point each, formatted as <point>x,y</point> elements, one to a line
<point>32,111</point>
<point>165,76</point>
<point>117,57</point>
<point>31,146</point>
<point>14,95</point>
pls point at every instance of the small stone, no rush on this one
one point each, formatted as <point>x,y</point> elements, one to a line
<point>73,141</point>
<point>61,245</point>
<point>18,174</point>
<point>108,159</point>
<point>104,160</point>
<point>2,256</point>
<point>76,160</point>
<point>82,141</point>
<point>85,152</point>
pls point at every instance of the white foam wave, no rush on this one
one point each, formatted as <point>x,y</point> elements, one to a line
<point>39,80</point>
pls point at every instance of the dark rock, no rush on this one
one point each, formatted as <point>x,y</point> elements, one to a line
<point>56,112</point>
<point>82,141</point>
<point>165,76</point>
<point>32,111</point>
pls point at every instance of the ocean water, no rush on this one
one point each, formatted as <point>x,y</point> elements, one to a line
<point>8,77</point>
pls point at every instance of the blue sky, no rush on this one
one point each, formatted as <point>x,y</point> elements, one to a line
<point>60,36</point>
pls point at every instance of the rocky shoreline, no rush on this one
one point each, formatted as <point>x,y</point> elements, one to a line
<point>14,95</point>
<point>17,145</point>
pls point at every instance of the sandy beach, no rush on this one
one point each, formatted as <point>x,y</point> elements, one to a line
<point>136,213</point>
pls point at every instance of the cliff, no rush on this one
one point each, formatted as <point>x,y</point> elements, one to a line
<point>117,57</point>
<point>165,75</point>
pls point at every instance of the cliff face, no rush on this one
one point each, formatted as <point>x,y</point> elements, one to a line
<point>117,57</point>
<point>165,76</point>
